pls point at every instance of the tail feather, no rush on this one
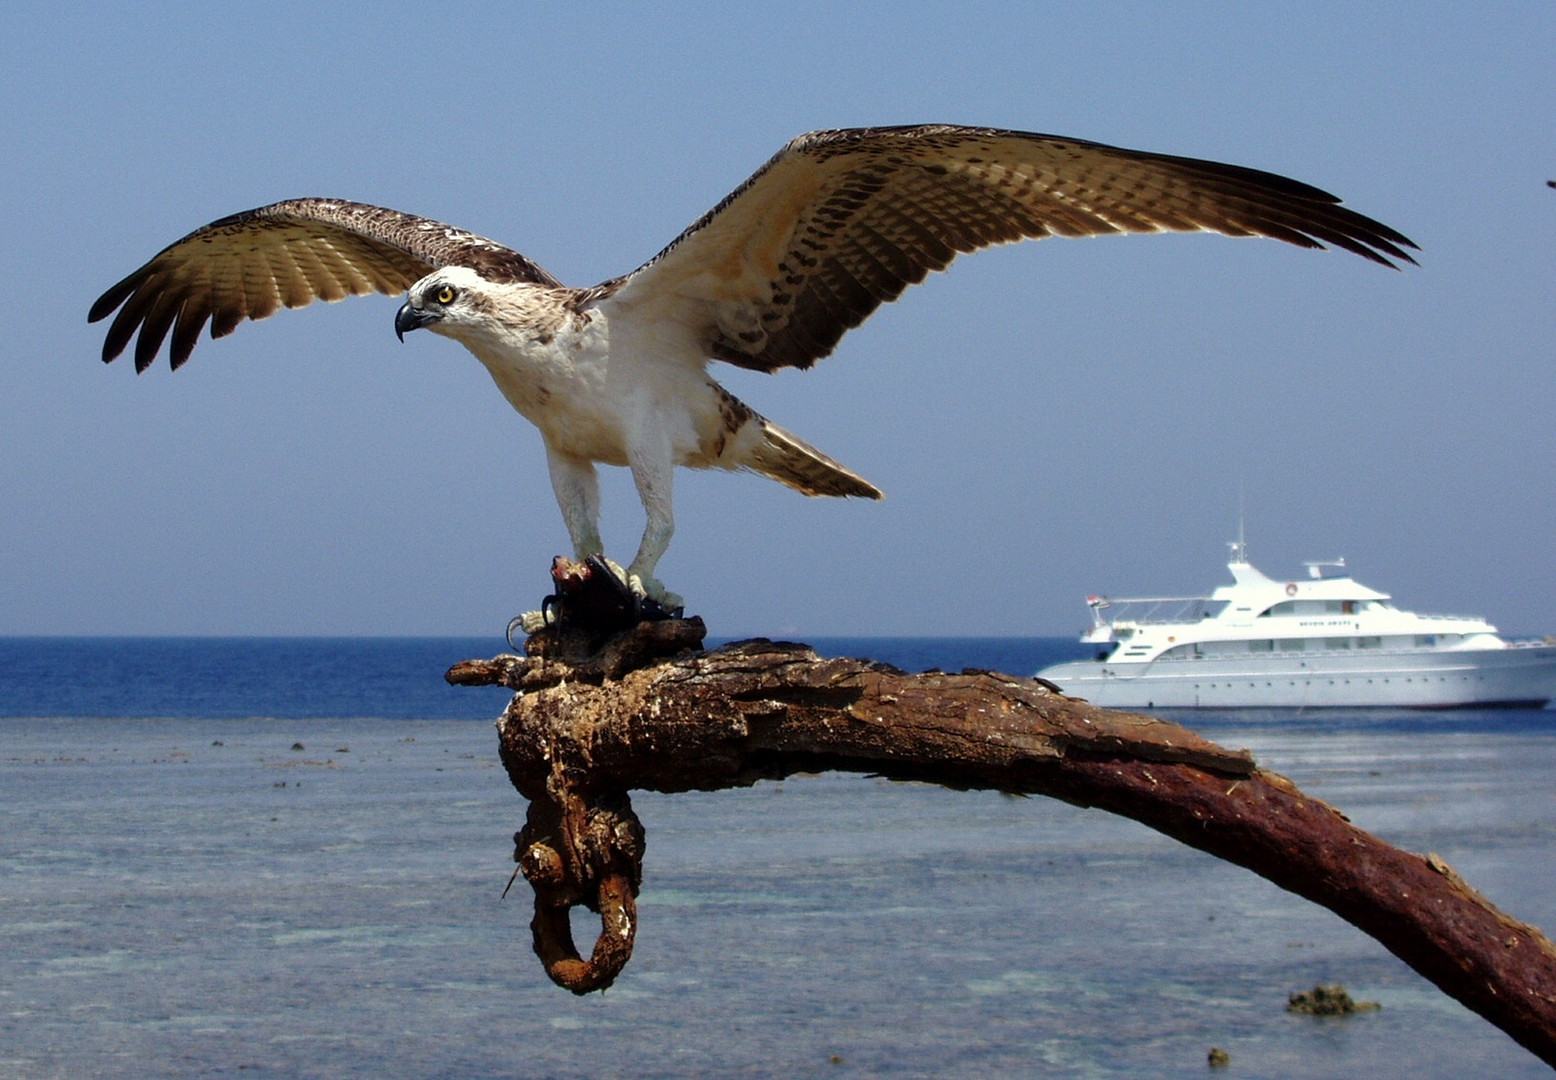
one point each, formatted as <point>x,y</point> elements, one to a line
<point>793,461</point>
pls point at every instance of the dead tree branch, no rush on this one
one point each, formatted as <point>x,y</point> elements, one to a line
<point>584,729</point>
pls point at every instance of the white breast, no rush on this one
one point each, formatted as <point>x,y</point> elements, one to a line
<point>595,388</point>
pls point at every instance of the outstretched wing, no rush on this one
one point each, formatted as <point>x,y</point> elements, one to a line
<point>840,222</point>
<point>288,254</point>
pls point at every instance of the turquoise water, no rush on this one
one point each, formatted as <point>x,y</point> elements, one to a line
<point>319,896</point>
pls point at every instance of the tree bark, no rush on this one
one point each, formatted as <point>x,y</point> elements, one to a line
<point>648,711</point>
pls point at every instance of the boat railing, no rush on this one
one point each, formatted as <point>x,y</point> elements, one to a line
<point>1150,610</point>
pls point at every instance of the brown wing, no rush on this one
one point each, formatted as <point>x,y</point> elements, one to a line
<point>288,254</point>
<point>840,222</point>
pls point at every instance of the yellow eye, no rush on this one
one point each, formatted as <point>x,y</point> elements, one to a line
<point>445,294</point>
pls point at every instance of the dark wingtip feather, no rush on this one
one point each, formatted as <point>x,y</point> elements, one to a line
<point>159,320</point>
<point>1373,241</point>
<point>120,331</point>
<point>186,332</point>
<point>106,303</point>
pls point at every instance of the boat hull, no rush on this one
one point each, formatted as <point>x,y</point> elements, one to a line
<point>1522,676</point>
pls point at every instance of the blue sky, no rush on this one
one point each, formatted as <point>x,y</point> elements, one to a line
<point>1047,420</point>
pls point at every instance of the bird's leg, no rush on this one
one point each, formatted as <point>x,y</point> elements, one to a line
<point>577,488</point>
<point>654,474</point>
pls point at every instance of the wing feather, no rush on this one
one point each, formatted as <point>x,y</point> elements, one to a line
<point>310,266</point>
<point>124,325</point>
<point>879,266</point>
<point>839,222</point>
<point>192,318</point>
<point>157,321</point>
<point>287,254</point>
<point>223,322</point>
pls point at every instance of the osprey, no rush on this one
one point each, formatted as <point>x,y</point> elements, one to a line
<point>834,225</point>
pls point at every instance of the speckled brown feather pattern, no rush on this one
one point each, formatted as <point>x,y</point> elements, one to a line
<point>288,254</point>
<point>885,206</point>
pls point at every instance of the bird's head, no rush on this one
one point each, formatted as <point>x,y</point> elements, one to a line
<point>447,301</point>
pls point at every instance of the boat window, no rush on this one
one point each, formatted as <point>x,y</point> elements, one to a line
<point>1337,643</point>
<point>1293,644</point>
<point>1369,643</point>
<point>1312,607</point>
<point>1425,641</point>
<point>1262,645</point>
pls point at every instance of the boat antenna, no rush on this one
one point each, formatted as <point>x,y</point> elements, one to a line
<point>1239,546</point>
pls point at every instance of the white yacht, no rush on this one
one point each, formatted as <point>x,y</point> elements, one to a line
<point>1320,642</point>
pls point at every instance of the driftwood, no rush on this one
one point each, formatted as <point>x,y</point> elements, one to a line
<point>599,711</point>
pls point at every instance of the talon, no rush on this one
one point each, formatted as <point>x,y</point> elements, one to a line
<point>532,622</point>
<point>652,588</point>
<point>598,596</point>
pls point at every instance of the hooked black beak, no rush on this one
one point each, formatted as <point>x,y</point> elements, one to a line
<point>409,318</point>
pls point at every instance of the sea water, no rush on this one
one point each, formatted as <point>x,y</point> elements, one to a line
<point>287,858</point>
